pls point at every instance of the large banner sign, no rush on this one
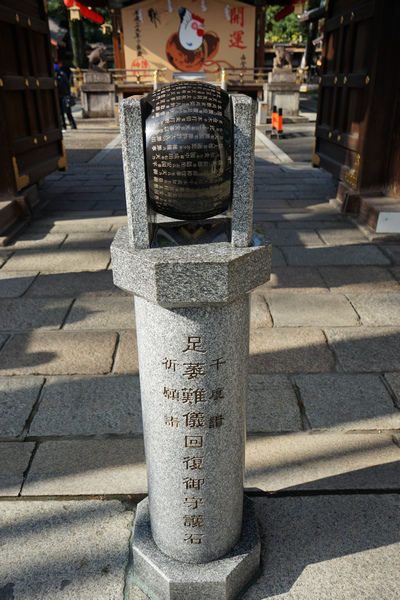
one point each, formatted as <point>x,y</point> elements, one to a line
<point>196,35</point>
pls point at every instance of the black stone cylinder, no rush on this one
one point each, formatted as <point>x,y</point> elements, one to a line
<point>189,139</point>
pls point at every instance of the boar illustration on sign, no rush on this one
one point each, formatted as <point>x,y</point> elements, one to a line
<point>188,48</point>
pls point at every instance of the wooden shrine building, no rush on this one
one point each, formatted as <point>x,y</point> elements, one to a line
<point>358,121</point>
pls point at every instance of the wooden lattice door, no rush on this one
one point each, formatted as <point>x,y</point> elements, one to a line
<point>31,143</point>
<point>358,121</point>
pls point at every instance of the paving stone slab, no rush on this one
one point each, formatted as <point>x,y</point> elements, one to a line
<point>62,260</point>
<point>77,223</point>
<point>59,550</point>
<point>69,218</point>
<point>76,203</point>
<point>347,280</point>
<point>322,461</point>
<point>72,182</point>
<point>94,190</point>
<point>289,351</point>
<point>119,204</point>
<point>396,272</point>
<point>260,200</point>
<point>87,467</point>
<point>294,237</point>
<point>14,461</point>
<point>302,280</point>
<point>72,285</point>
<point>22,314</point>
<point>268,195</point>
<point>311,310</point>
<point>324,194</point>
<point>30,240</point>
<point>393,380</point>
<point>59,353</point>
<point>115,312</point>
<point>342,237</point>
<point>17,398</point>
<point>297,216</point>
<point>304,202</point>
<point>4,256</point>
<point>271,404</point>
<point>380,309</point>
<point>278,260</point>
<point>366,349</point>
<point>336,255</point>
<point>313,224</point>
<point>126,360</point>
<point>392,251</point>
<point>89,239</point>
<point>15,284</point>
<point>328,548</point>
<point>281,187</point>
<point>259,313</point>
<point>77,406</point>
<point>3,339</point>
<point>347,402</point>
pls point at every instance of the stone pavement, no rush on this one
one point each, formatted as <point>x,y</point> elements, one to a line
<point>323,448</point>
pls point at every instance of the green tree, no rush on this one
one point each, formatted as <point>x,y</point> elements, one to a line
<point>57,10</point>
<point>285,30</point>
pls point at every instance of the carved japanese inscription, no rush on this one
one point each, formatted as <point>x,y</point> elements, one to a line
<point>188,138</point>
<point>193,410</point>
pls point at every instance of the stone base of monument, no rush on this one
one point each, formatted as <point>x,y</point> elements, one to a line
<point>97,95</point>
<point>283,92</point>
<point>162,578</point>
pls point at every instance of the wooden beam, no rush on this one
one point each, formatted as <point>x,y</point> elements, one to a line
<point>260,29</point>
<point>117,38</point>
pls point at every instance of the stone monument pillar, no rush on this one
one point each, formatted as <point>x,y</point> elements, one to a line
<point>189,256</point>
<point>282,90</point>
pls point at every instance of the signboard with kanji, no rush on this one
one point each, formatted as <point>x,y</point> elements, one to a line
<point>204,35</point>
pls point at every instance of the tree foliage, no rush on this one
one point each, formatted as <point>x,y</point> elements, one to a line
<point>285,30</point>
<point>57,10</point>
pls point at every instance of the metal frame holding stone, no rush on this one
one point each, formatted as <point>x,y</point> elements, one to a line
<point>192,321</point>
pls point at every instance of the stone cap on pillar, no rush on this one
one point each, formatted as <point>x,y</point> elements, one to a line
<point>189,275</point>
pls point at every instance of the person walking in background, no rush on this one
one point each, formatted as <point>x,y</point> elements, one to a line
<point>64,97</point>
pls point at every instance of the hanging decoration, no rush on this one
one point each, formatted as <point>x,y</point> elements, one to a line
<point>228,12</point>
<point>203,5</point>
<point>170,7</point>
<point>84,11</point>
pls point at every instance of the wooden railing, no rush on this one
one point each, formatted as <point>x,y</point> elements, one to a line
<point>236,76</point>
<point>121,77</point>
<point>243,76</point>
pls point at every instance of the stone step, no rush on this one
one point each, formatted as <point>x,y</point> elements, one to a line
<point>381,213</point>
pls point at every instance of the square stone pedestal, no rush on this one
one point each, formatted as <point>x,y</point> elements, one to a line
<point>97,95</point>
<point>163,578</point>
<point>283,92</point>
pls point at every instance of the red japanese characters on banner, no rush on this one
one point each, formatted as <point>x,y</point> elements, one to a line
<point>236,40</point>
<point>140,63</point>
<point>237,16</point>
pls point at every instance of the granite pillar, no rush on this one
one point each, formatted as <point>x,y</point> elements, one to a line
<point>196,537</point>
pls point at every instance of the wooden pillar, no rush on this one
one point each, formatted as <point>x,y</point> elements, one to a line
<point>117,38</point>
<point>260,30</point>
